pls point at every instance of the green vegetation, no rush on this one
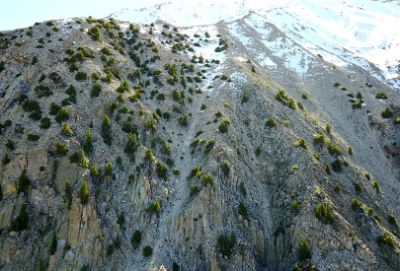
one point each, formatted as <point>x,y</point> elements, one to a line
<point>94,33</point>
<point>106,130</point>
<point>96,89</point>
<point>23,182</point>
<point>62,115</point>
<point>301,143</point>
<point>108,169</point>
<point>53,245</point>
<point>87,143</point>
<point>324,213</point>
<point>20,223</point>
<point>80,76</point>
<point>61,149</point>
<point>244,96</point>
<point>386,113</point>
<point>155,207</point>
<point>270,122</point>
<point>84,193</point>
<point>33,137</point>
<point>285,99</point>
<point>224,125</point>
<point>242,210</point>
<point>67,130</point>
<point>358,186</point>
<point>136,239</point>
<point>131,145</point>
<point>381,95</point>
<point>226,243</point>
<point>147,251</point>
<point>386,239</point>
<point>209,146</point>
<point>161,170</point>
<point>304,251</point>
<point>68,194</point>
<point>226,167</point>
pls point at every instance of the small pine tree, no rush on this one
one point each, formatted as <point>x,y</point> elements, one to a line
<point>84,193</point>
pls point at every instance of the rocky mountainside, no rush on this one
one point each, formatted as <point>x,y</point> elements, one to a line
<point>230,146</point>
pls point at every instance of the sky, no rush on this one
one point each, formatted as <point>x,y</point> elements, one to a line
<point>23,13</point>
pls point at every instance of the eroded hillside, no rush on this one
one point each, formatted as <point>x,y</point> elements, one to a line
<point>143,147</point>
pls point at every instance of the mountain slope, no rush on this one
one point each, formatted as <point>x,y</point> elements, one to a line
<point>222,147</point>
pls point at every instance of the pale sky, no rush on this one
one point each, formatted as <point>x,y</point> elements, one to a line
<point>23,13</point>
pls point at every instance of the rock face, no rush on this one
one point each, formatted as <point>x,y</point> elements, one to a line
<point>150,147</point>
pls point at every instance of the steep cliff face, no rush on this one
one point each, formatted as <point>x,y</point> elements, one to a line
<point>150,147</point>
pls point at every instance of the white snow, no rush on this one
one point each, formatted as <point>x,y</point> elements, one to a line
<point>356,32</point>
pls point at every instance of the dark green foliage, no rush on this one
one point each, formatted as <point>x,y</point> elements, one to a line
<point>62,115</point>
<point>183,120</point>
<point>61,149</point>
<point>136,239</point>
<point>121,219</point>
<point>386,240</point>
<point>147,251</point>
<point>381,95</point>
<point>33,137</point>
<point>226,243</point>
<point>392,220</point>
<point>386,113</point>
<point>20,223</point>
<point>106,130</point>
<point>155,207</point>
<point>80,76</point>
<point>337,165</point>
<point>84,193</point>
<point>94,33</point>
<point>245,96</point>
<point>53,245</point>
<point>33,107</point>
<point>161,170</point>
<point>333,149</point>
<point>270,122</point>
<point>226,167</point>
<point>87,144</point>
<point>175,267</point>
<point>123,87</point>
<point>43,91</point>
<point>285,99</point>
<point>358,186</point>
<point>304,251</point>
<point>323,211</point>
<point>54,109</point>
<point>23,182</point>
<point>207,179</point>
<point>68,194</point>
<point>194,190</point>
<point>45,123</point>
<point>209,146</point>
<point>242,210</point>
<point>71,93</point>
<point>131,145</point>
<point>96,89</point>
<point>108,169</point>
<point>224,125</point>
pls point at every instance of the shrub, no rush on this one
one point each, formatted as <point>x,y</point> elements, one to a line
<point>87,144</point>
<point>155,207</point>
<point>226,243</point>
<point>147,251</point>
<point>392,220</point>
<point>194,190</point>
<point>108,169</point>
<point>285,99</point>
<point>381,95</point>
<point>45,123</point>
<point>324,213</point>
<point>304,251</point>
<point>386,239</point>
<point>183,120</point>
<point>333,149</point>
<point>132,144</point>
<point>301,143</point>
<point>96,89</point>
<point>68,194</point>
<point>62,115</point>
<point>123,87</point>
<point>106,130</point>
<point>61,149</point>
<point>337,165</point>
<point>358,186</point>
<point>257,151</point>
<point>67,130</point>
<point>207,179</point>
<point>386,113</point>
<point>355,204</point>
<point>94,171</point>
<point>224,125</point>
<point>270,122</point>
<point>94,33</point>
<point>162,170</point>
<point>245,96</point>
<point>376,186</point>
<point>136,239</point>
<point>84,193</point>
<point>20,223</point>
<point>242,210</point>
<point>23,182</point>
<point>80,76</point>
<point>226,167</point>
<point>33,137</point>
<point>53,245</point>
<point>319,138</point>
<point>209,146</point>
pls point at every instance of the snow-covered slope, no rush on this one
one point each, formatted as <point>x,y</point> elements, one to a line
<point>359,32</point>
